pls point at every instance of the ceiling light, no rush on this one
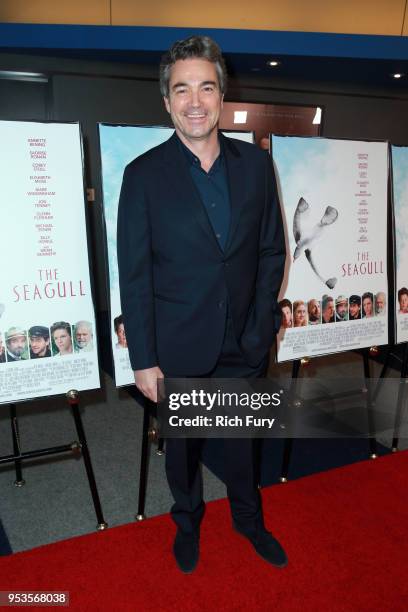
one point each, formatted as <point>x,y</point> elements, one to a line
<point>273,63</point>
<point>398,75</point>
<point>12,75</point>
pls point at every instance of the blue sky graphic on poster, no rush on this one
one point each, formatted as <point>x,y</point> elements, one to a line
<point>119,146</point>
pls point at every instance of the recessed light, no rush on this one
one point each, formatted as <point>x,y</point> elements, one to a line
<point>398,75</point>
<point>273,63</point>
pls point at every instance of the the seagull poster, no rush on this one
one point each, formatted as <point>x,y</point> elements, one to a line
<point>45,297</point>
<point>334,202</point>
<point>400,189</point>
<point>119,144</point>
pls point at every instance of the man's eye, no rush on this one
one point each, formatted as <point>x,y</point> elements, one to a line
<point>208,88</point>
<point>181,91</point>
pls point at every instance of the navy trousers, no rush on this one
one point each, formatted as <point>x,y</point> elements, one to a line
<point>240,456</point>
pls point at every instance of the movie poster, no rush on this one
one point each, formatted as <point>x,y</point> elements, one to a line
<point>47,324</point>
<point>334,199</point>
<point>400,189</point>
<point>119,146</point>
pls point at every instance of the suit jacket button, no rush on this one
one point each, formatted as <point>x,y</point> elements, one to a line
<point>221,304</point>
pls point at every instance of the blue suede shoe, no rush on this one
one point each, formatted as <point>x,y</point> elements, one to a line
<point>186,551</point>
<point>266,546</point>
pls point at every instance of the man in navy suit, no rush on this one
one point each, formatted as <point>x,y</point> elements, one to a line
<point>201,255</point>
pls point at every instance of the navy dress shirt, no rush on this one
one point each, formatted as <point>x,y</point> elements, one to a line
<point>213,189</point>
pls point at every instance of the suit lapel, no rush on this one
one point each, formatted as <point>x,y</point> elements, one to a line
<point>178,174</point>
<point>236,184</point>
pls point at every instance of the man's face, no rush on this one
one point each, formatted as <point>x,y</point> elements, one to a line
<point>354,310</point>
<point>328,311</point>
<point>62,340</point>
<point>368,307</point>
<point>404,302</point>
<point>380,303</point>
<point>122,336</point>
<point>39,345</point>
<point>342,309</point>
<point>17,345</point>
<point>83,336</point>
<point>314,310</point>
<point>195,99</point>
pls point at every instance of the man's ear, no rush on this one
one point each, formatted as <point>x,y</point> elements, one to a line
<point>166,103</point>
<point>222,101</point>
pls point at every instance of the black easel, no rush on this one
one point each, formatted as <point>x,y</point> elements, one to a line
<point>287,450</point>
<point>149,434</point>
<point>144,462</point>
<point>402,393</point>
<point>18,456</point>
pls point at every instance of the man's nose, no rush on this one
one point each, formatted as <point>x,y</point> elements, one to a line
<point>195,98</point>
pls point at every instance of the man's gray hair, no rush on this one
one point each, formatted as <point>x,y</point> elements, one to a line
<point>86,324</point>
<point>201,47</point>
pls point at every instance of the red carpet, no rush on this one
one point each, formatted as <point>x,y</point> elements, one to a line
<point>345,532</point>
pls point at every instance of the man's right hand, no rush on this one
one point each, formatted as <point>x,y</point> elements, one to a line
<point>146,381</point>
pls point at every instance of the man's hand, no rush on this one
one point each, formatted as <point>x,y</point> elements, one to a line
<point>146,381</point>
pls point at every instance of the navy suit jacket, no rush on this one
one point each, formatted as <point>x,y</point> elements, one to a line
<point>175,280</point>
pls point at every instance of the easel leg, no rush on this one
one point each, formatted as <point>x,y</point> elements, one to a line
<point>369,402</point>
<point>143,463</point>
<point>73,400</point>
<point>287,449</point>
<point>402,392</point>
<point>19,481</point>
<point>160,447</point>
<point>383,372</point>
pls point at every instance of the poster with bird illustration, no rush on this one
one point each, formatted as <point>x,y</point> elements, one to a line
<point>333,196</point>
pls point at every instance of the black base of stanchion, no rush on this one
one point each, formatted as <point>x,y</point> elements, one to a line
<point>102,526</point>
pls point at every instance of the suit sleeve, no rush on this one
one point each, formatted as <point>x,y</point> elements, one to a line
<point>135,271</point>
<point>272,248</point>
<point>265,317</point>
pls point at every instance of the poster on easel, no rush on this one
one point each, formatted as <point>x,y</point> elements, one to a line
<point>400,200</point>
<point>334,201</point>
<point>48,343</point>
<point>119,145</point>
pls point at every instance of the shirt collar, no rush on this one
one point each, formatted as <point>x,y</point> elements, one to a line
<point>193,160</point>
